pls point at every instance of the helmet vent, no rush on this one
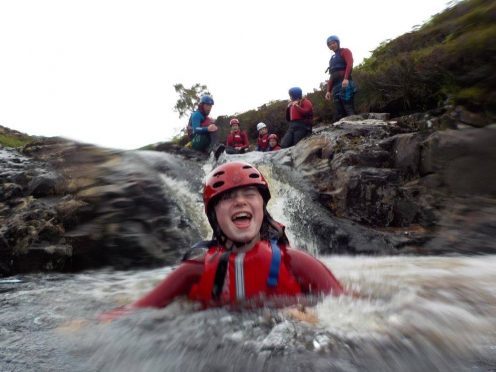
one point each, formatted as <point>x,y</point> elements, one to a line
<point>254,175</point>
<point>218,174</point>
<point>218,184</point>
<point>247,166</point>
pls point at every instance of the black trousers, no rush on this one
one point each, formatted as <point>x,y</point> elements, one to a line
<point>232,150</point>
<point>344,108</point>
<point>295,133</point>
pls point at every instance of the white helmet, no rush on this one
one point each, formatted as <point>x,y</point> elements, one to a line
<point>261,126</point>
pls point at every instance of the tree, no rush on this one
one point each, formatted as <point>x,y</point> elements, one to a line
<point>189,98</point>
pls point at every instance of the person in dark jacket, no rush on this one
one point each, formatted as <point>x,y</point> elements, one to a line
<point>237,140</point>
<point>299,113</point>
<point>340,86</point>
<point>203,131</point>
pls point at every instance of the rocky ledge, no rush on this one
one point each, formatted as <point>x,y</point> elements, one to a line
<point>384,186</point>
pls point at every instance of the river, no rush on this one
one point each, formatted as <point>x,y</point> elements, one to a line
<point>406,313</point>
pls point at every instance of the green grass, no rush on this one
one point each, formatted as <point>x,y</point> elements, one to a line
<point>13,141</point>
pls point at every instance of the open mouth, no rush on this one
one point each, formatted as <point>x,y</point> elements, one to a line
<point>241,219</point>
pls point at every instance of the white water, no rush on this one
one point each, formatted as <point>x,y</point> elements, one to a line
<point>405,314</point>
<point>408,313</point>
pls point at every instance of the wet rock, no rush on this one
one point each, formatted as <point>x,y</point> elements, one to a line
<point>88,207</point>
<point>464,160</point>
<point>390,175</point>
<point>375,186</point>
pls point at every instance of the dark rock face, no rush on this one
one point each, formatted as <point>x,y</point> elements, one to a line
<point>415,187</point>
<point>72,206</point>
<point>376,186</point>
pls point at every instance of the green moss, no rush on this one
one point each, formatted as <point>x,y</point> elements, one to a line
<point>473,95</point>
<point>13,141</point>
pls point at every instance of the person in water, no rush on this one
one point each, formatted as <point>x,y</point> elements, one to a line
<point>237,139</point>
<point>249,261</point>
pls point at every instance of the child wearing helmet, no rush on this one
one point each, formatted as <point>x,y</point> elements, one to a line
<point>299,113</point>
<point>274,142</point>
<point>237,140</point>
<point>263,137</point>
<point>249,261</point>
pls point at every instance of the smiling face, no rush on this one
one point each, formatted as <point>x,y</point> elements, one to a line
<point>240,214</point>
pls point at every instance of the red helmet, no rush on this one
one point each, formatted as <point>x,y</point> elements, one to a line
<point>273,136</point>
<point>233,121</point>
<point>231,175</point>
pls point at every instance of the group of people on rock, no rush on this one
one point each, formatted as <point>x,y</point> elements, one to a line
<point>249,261</point>
<point>237,140</point>
<point>203,132</point>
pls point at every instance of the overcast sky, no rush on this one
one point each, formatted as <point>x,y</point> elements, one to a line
<point>102,71</point>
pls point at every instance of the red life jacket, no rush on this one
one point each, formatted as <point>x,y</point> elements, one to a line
<point>251,275</point>
<point>304,114</point>
<point>237,139</point>
<point>263,142</point>
<point>205,123</point>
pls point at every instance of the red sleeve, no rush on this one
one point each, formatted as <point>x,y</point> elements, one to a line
<point>246,144</point>
<point>230,139</point>
<point>348,58</point>
<point>177,283</point>
<point>312,275</point>
<point>305,107</point>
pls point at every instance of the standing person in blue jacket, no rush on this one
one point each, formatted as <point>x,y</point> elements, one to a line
<point>202,129</point>
<point>340,85</point>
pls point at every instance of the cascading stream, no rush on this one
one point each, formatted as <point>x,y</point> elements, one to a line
<point>406,313</point>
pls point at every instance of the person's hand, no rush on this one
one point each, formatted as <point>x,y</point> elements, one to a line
<point>212,128</point>
<point>113,314</point>
<point>328,96</point>
<point>345,83</point>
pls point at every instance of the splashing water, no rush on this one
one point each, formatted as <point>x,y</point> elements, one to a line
<point>406,313</point>
<point>401,313</point>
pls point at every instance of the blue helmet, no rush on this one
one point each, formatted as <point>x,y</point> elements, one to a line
<point>207,100</point>
<point>333,38</point>
<point>295,93</point>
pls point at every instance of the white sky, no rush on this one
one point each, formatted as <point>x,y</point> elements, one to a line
<point>102,71</point>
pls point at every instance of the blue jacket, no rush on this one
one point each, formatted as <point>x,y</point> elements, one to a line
<point>197,118</point>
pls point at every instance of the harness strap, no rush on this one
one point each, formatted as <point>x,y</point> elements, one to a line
<point>275,264</point>
<point>220,275</point>
<point>201,245</point>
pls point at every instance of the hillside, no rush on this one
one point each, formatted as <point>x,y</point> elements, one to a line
<point>13,138</point>
<point>446,65</point>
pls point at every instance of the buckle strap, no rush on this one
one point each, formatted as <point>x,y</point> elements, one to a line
<point>275,264</point>
<point>220,275</point>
